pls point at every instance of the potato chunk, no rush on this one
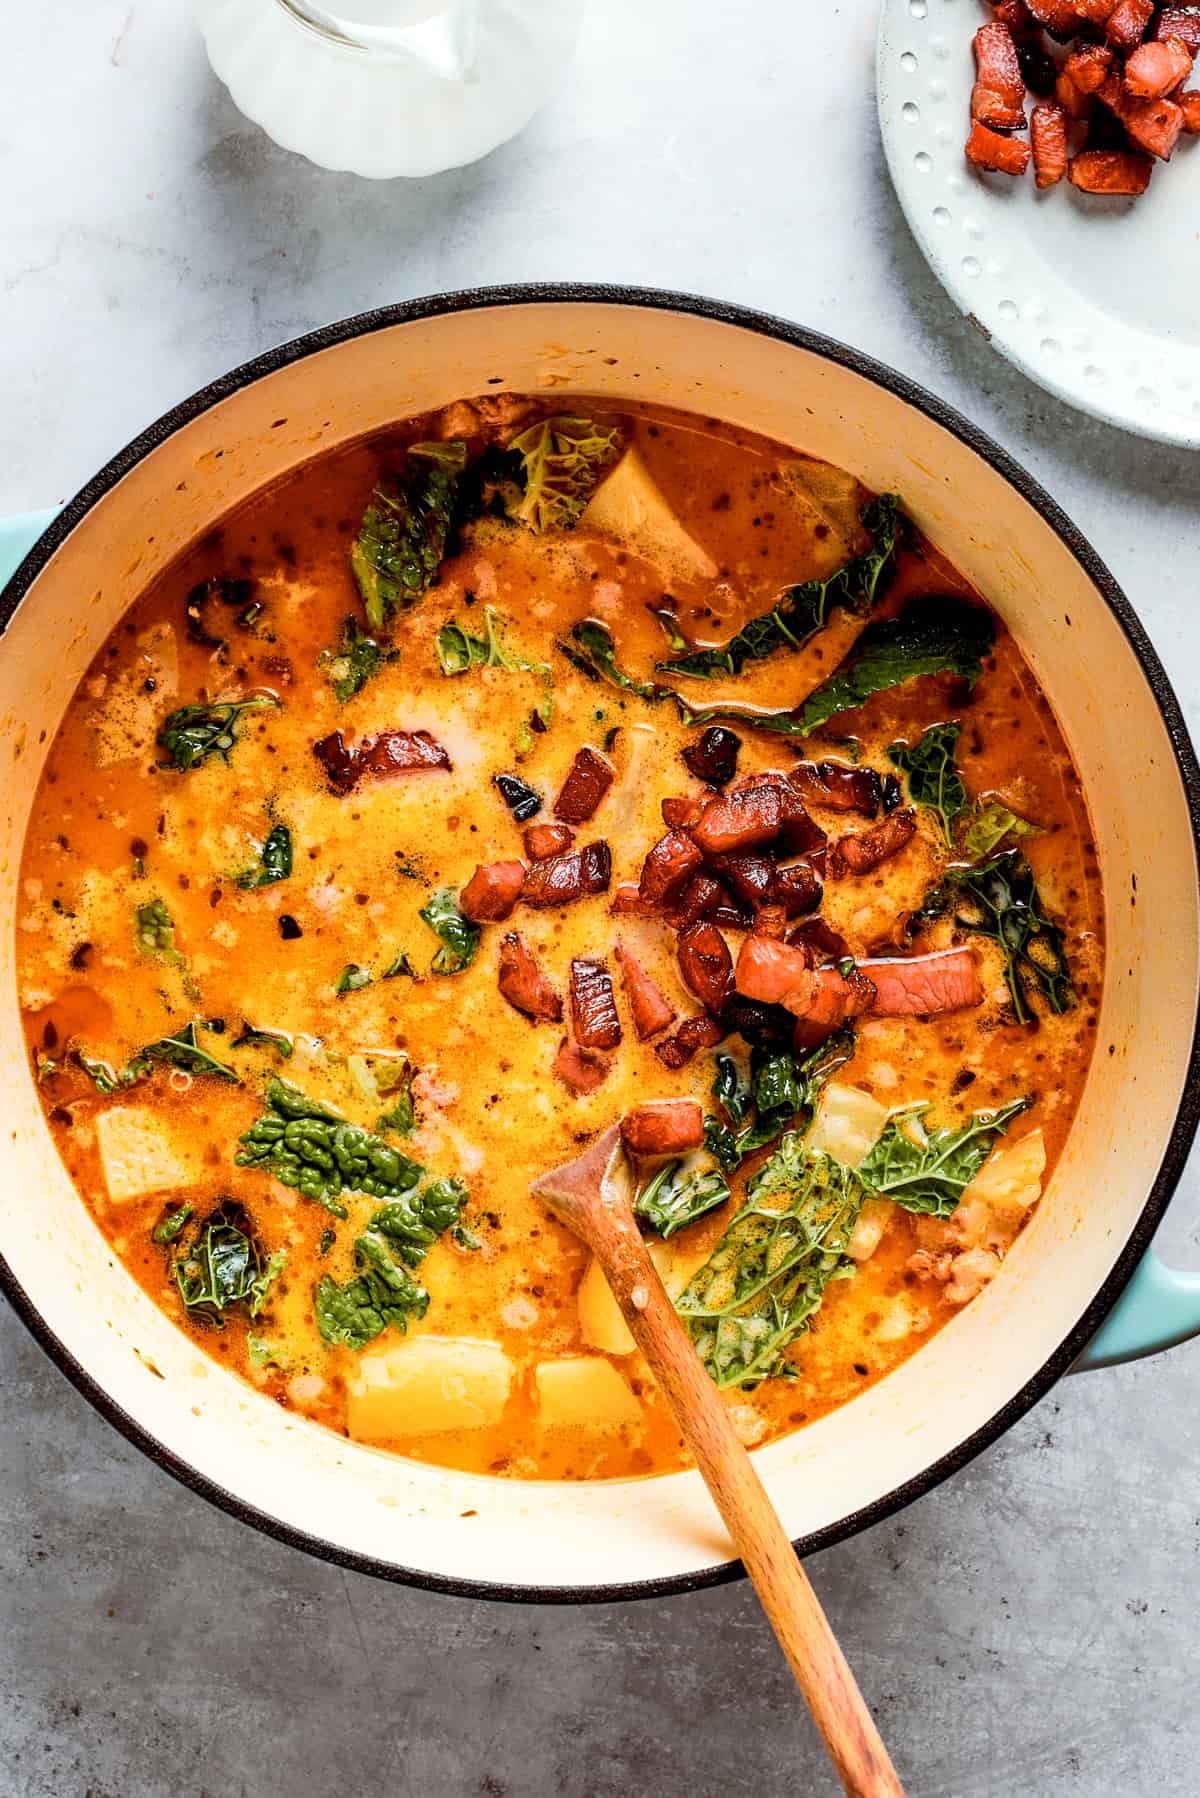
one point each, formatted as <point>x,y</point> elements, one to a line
<point>629,506</point>
<point>1010,1180</point>
<point>848,1124</point>
<point>600,1322</point>
<point>424,1385</point>
<point>139,1154</point>
<point>584,1392</point>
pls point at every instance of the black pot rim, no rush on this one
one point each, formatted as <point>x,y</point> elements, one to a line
<point>1188,1116</point>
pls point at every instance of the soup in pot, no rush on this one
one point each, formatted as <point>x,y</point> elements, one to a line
<point>520,772</point>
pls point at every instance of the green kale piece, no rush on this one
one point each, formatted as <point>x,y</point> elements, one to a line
<point>353,978</point>
<point>933,777</point>
<point>589,647</point>
<point>223,1267</point>
<point>153,928</point>
<point>803,610</point>
<point>930,1176</point>
<point>562,462</point>
<point>401,542</point>
<point>989,826</point>
<point>677,1194</point>
<point>313,1149</point>
<point>413,1223</point>
<point>274,860</point>
<point>460,938</point>
<point>172,1224</point>
<point>1000,899</point>
<point>192,733</point>
<point>933,634</point>
<point>768,1274</point>
<point>782,1089</point>
<point>278,1040</point>
<point>459,651</point>
<point>383,1293</point>
<point>356,660</point>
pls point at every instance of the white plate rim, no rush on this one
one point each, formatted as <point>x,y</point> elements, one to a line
<point>1007,334</point>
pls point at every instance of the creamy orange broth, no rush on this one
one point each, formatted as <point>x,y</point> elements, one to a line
<point>111,829</point>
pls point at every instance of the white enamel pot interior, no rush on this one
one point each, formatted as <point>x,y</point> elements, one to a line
<point>505,1538</point>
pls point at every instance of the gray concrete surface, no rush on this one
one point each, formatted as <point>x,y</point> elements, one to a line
<point>1030,1628</point>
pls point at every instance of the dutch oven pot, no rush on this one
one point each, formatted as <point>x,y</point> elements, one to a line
<point>1086,1248</point>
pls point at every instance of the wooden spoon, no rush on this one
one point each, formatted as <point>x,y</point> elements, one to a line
<point>593,1197</point>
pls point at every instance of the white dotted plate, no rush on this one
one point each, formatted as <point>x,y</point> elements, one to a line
<point>1098,299</point>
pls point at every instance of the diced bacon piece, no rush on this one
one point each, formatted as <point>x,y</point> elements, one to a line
<point>565,878</point>
<point>1048,133</point>
<point>1060,17</point>
<point>588,780</point>
<point>1089,67</point>
<point>1037,66</point>
<point>1094,12</point>
<point>827,944</point>
<point>1158,68</point>
<point>701,892</point>
<point>544,840</point>
<point>1110,171</point>
<point>386,753</point>
<point>651,1011</point>
<point>492,891</point>
<point>749,876</point>
<point>860,853</point>
<point>773,971</point>
<point>772,920</point>
<point>989,150</point>
<point>594,1016</point>
<point>522,982</point>
<point>714,757</point>
<point>1189,106</point>
<point>1153,125</point>
<point>1127,23</point>
<point>580,1069</point>
<point>726,911</point>
<point>627,901</point>
<point>839,787</point>
<point>749,815</point>
<point>1181,22</point>
<point>833,998</point>
<point>1071,97</point>
<point>998,97</point>
<point>1013,13</point>
<point>920,985</point>
<point>679,813</point>
<point>797,888</point>
<point>701,1032</point>
<point>663,1127</point>
<point>668,867</point>
<point>706,964</point>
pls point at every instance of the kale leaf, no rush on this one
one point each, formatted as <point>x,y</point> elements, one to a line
<point>768,1273</point>
<point>279,1040</point>
<point>679,1193</point>
<point>154,929</point>
<point>192,733</point>
<point>274,860</point>
<point>402,539</point>
<point>589,647</point>
<point>460,938</point>
<point>782,1089</point>
<point>1000,899</point>
<point>355,661</point>
<point>398,1237</point>
<point>459,651</point>
<point>803,610</point>
<point>930,1176</point>
<point>181,1050</point>
<point>223,1267</point>
<point>352,979</point>
<point>990,825</point>
<point>933,634</point>
<point>314,1150</point>
<point>172,1224</point>
<point>933,777</point>
<point>562,462</point>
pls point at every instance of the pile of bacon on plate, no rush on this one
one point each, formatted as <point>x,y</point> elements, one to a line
<point>1105,111</point>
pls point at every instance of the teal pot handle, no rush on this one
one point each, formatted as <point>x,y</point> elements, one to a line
<point>1157,1309</point>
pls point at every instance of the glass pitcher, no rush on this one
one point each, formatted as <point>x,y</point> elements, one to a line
<point>390,87</point>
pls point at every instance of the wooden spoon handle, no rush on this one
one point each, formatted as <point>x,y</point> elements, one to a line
<point>822,1673</point>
